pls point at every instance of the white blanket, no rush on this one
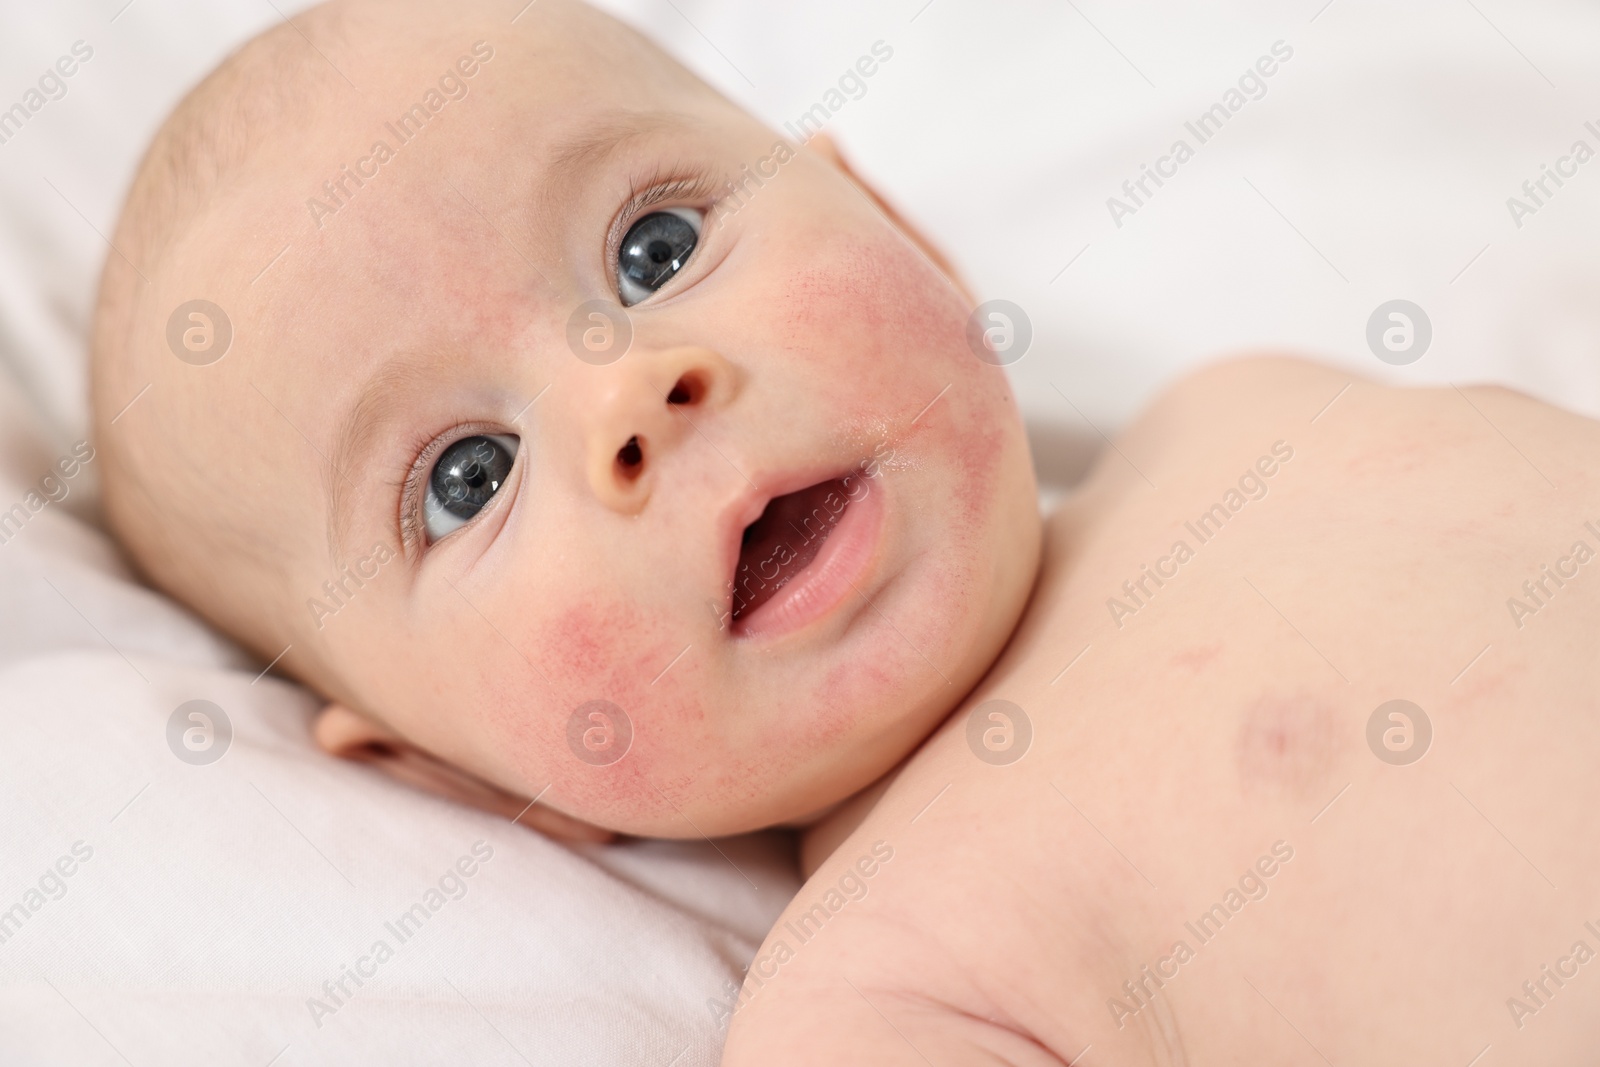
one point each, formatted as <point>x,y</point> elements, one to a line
<point>210,910</point>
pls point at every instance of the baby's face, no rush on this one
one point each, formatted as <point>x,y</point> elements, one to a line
<point>718,577</point>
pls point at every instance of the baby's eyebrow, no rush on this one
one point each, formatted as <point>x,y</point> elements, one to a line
<point>579,155</point>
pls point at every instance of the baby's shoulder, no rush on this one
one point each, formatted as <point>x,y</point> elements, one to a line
<point>1212,415</point>
<point>1246,385</point>
<point>861,970</point>
<point>921,940</point>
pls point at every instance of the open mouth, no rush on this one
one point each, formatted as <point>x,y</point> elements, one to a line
<point>808,555</point>
<point>780,545</point>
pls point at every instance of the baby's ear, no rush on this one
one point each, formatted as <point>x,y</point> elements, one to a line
<point>350,735</point>
<point>825,146</point>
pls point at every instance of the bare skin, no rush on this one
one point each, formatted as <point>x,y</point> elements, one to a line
<point>809,351</point>
<point>1224,727</point>
<point>1211,727</point>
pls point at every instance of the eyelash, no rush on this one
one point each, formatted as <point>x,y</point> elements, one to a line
<point>699,190</point>
<point>643,194</point>
<point>413,538</point>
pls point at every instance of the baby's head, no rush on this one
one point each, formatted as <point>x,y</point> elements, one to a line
<point>710,563</point>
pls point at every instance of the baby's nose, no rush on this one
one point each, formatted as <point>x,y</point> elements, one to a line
<point>645,405</point>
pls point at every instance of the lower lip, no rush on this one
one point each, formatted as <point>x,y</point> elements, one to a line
<point>833,576</point>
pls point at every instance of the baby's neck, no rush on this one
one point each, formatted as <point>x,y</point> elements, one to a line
<point>821,837</point>
<point>821,834</point>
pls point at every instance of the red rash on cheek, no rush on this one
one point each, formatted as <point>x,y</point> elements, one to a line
<point>580,644</point>
<point>895,330</point>
<point>882,316</point>
<point>669,767</point>
<point>605,651</point>
<point>980,458</point>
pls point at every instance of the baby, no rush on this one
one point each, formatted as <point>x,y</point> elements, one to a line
<point>471,505</point>
<point>599,454</point>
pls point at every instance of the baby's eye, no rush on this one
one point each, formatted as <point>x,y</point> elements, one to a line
<point>464,479</point>
<point>656,248</point>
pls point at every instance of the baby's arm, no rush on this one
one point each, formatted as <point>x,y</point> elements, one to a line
<point>870,984</point>
<point>892,952</point>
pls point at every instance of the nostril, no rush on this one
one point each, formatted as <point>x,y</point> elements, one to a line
<point>630,458</point>
<point>688,390</point>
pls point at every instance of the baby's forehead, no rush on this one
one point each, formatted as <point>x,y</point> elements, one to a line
<point>406,231</point>
<point>460,239</point>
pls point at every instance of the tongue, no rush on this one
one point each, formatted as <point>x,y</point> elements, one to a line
<point>783,541</point>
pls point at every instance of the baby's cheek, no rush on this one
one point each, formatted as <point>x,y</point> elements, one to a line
<point>876,316</point>
<point>979,458</point>
<point>580,646</point>
<point>891,332</point>
<point>609,761</point>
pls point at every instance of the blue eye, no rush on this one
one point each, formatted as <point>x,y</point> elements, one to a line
<point>464,479</point>
<point>656,248</point>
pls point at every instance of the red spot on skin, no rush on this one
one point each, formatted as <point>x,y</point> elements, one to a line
<point>844,688</point>
<point>1395,458</point>
<point>1193,659</point>
<point>1286,744</point>
<point>582,641</point>
<point>1484,688</point>
<point>980,460</point>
